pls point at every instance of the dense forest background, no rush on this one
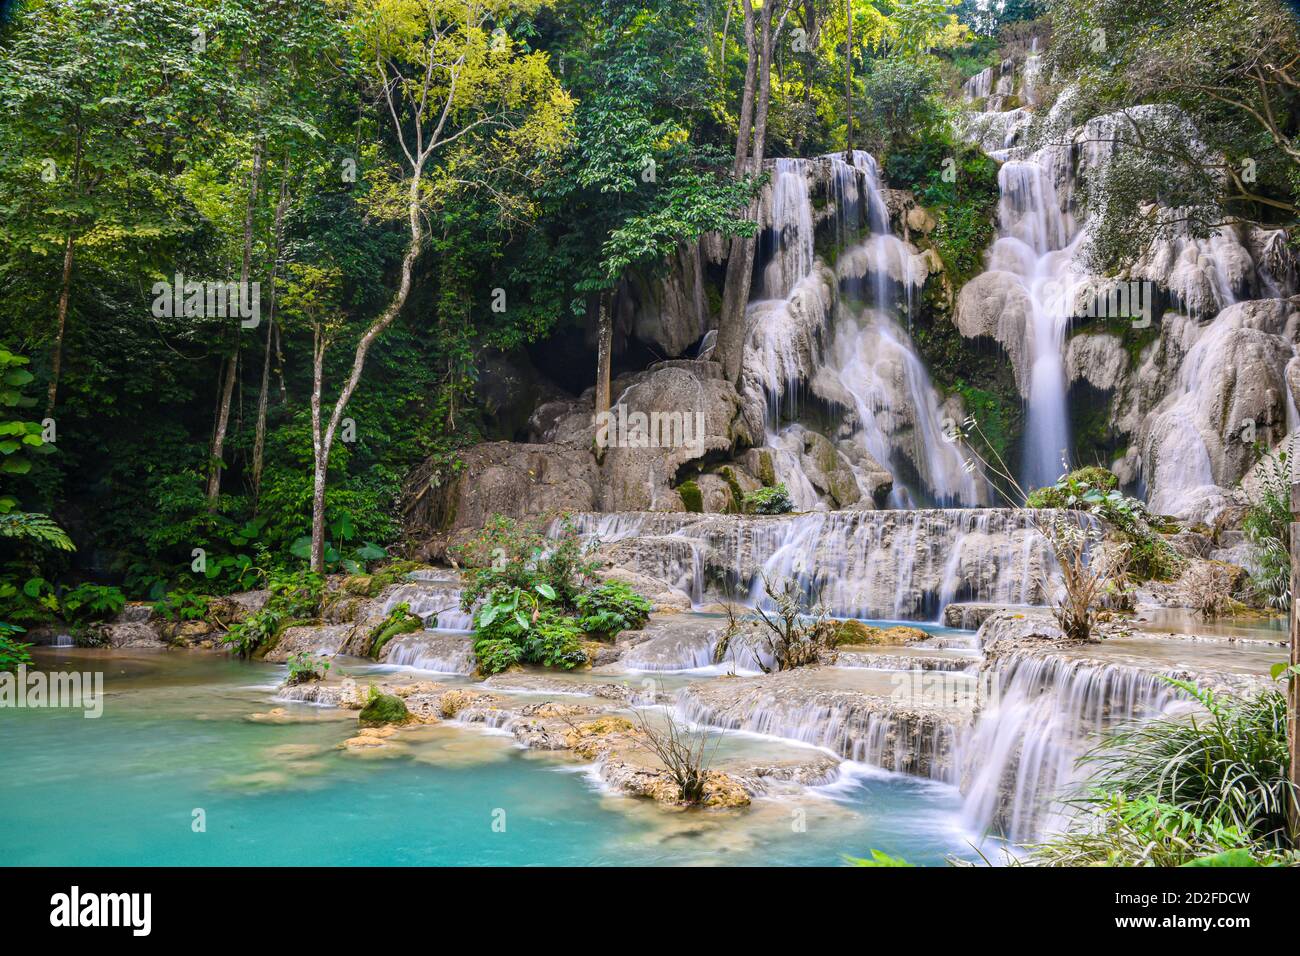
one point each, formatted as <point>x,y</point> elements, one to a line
<point>455,188</point>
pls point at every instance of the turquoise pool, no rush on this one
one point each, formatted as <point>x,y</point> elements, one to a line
<point>177,736</point>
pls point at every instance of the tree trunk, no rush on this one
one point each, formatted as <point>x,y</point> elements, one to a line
<point>604,352</point>
<point>259,441</point>
<point>848,82</point>
<point>56,360</point>
<point>232,363</point>
<point>326,442</point>
<point>320,454</point>
<point>740,260</point>
<point>743,134</point>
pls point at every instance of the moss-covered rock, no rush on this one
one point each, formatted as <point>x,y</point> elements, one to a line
<point>384,709</point>
<point>692,499</point>
<point>400,620</point>
<point>857,633</point>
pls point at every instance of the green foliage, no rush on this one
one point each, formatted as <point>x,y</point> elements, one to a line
<point>30,601</point>
<point>91,602</point>
<point>338,556</point>
<point>497,654</point>
<point>1221,145</point>
<point>183,606</point>
<point>13,653</point>
<point>772,500</point>
<point>1143,831</point>
<point>304,668</point>
<point>1148,556</point>
<point>537,632</point>
<point>295,598</point>
<point>1267,528</point>
<point>1228,765</point>
<point>508,554</point>
<point>1082,488</point>
<point>612,607</point>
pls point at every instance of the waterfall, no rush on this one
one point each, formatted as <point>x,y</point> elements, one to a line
<point>896,565</point>
<point>1021,759</point>
<point>432,651</point>
<point>1036,244</point>
<point>791,220</point>
<point>432,596</point>
<point>841,335</point>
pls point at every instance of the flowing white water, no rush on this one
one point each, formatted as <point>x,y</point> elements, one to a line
<point>881,565</point>
<point>1021,760</point>
<point>841,335</point>
<point>1036,244</point>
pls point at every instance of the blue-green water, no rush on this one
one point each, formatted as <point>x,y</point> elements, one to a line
<point>176,737</point>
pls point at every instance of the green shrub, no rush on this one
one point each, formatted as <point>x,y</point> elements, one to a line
<point>306,667</point>
<point>91,602</point>
<point>1072,490</point>
<point>1148,556</point>
<point>496,654</point>
<point>183,606</point>
<point>1229,764</point>
<point>29,601</point>
<point>12,652</point>
<point>508,554</point>
<point>384,709</point>
<point>1141,831</point>
<point>612,607</point>
<point>769,501</point>
<point>538,632</point>
<point>295,598</point>
<point>1267,525</point>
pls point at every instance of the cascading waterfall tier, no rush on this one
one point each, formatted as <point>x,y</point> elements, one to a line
<point>885,565</point>
<point>1020,761</point>
<point>840,335</point>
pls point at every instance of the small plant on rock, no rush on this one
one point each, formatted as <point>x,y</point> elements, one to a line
<point>792,633</point>
<point>772,500</point>
<point>305,668</point>
<point>612,607</point>
<point>685,755</point>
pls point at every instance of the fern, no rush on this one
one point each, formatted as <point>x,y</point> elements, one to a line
<point>36,528</point>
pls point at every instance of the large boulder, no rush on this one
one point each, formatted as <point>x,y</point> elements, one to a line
<point>996,306</point>
<point>517,480</point>
<point>664,418</point>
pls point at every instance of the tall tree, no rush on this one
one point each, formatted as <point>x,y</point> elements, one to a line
<point>760,41</point>
<point>465,104</point>
<point>87,96</point>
